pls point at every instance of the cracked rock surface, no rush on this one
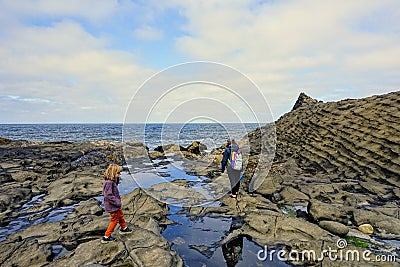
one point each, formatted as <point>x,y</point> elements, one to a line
<point>81,231</point>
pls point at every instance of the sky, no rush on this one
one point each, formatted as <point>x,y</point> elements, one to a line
<point>91,61</point>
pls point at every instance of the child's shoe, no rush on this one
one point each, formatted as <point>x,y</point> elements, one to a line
<point>125,231</point>
<point>106,240</point>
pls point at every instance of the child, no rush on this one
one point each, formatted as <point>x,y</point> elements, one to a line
<point>112,203</point>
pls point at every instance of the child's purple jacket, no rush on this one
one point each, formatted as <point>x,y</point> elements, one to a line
<point>112,200</point>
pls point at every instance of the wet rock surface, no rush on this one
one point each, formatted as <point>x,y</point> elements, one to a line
<point>79,235</point>
<point>344,156</point>
<point>39,178</point>
<point>65,172</point>
<point>334,227</point>
<point>336,167</point>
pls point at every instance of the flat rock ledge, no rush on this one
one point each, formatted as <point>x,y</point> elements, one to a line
<point>79,237</point>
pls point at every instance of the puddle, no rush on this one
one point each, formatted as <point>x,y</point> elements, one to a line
<point>158,171</point>
<point>27,219</point>
<point>57,251</point>
<point>200,241</point>
<point>57,214</point>
<point>32,202</point>
<point>293,210</point>
<point>392,243</point>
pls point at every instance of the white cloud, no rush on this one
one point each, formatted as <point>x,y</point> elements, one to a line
<point>49,50</point>
<point>91,10</point>
<point>17,98</point>
<point>148,33</point>
<point>293,46</point>
<point>65,64</point>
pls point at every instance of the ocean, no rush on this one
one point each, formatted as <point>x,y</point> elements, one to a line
<point>152,135</point>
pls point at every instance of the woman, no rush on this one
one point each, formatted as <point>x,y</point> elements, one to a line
<point>233,174</point>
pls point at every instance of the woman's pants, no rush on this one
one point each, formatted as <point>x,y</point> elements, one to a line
<point>234,178</point>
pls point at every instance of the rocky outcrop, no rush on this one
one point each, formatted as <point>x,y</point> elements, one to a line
<point>79,236</point>
<point>304,101</point>
<point>65,172</point>
<point>27,252</point>
<point>196,148</point>
<point>334,227</point>
<point>322,211</point>
<point>193,151</point>
<point>353,139</point>
<point>336,166</point>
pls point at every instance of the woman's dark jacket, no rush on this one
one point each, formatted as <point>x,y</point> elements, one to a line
<point>227,154</point>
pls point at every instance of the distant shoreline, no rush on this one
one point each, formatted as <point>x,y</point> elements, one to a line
<point>152,135</point>
<point>131,123</point>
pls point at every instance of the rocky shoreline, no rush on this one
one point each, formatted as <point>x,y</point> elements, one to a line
<point>66,174</point>
<point>336,168</point>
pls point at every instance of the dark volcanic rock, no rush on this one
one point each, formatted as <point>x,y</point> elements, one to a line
<point>193,151</point>
<point>26,252</point>
<point>304,100</point>
<point>387,226</point>
<point>170,148</point>
<point>353,139</point>
<point>80,234</point>
<point>4,140</point>
<point>322,211</point>
<point>6,178</point>
<point>196,148</point>
<point>65,172</point>
<point>342,158</point>
<point>11,195</point>
<point>334,227</point>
